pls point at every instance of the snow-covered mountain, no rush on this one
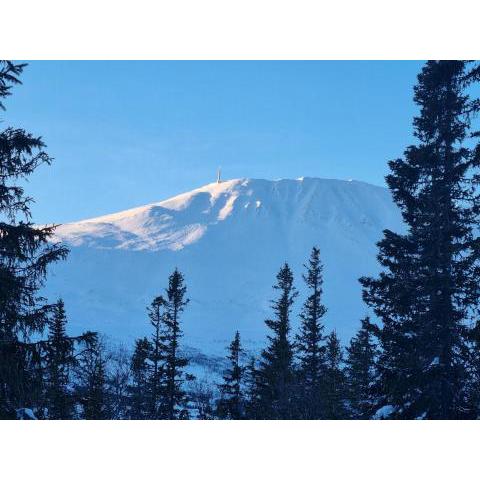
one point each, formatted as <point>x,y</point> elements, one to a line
<point>229,239</point>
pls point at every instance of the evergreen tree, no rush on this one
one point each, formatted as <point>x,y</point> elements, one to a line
<point>92,386</point>
<point>276,371</point>
<point>253,409</point>
<point>334,385</point>
<point>157,365</point>
<point>139,390</point>
<point>156,312</point>
<point>59,352</point>
<point>25,254</point>
<point>310,347</point>
<point>59,360</point>
<point>361,363</point>
<point>232,402</point>
<point>429,286</point>
<point>173,394</point>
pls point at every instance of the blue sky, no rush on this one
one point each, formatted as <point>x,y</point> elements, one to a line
<point>124,134</point>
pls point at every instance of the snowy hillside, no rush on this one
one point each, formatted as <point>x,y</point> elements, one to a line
<point>229,239</point>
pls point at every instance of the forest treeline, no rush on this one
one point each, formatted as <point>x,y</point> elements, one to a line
<point>417,358</point>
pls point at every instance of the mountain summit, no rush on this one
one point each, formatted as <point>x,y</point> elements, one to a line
<point>229,239</point>
<point>182,220</point>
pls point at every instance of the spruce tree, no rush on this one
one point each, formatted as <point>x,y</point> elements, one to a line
<point>25,254</point>
<point>253,409</point>
<point>360,370</point>
<point>156,312</point>
<point>59,360</point>
<point>334,384</point>
<point>174,398</point>
<point>139,390</point>
<point>428,288</point>
<point>310,342</point>
<point>232,402</point>
<point>92,385</point>
<point>276,371</point>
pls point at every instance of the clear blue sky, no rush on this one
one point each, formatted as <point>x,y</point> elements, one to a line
<point>124,134</point>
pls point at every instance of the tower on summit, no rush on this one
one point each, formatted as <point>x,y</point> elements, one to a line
<point>219,174</point>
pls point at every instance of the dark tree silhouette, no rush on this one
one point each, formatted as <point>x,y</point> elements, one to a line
<point>156,312</point>
<point>429,287</point>
<point>276,371</point>
<point>334,384</point>
<point>59,359</point>
<point>174,396</point>
<point>361,372</point>
<point>310,343</point>
<point>25,254</point>
<point>140,401</point>
<point>92,381</point>
<point>232,402</point>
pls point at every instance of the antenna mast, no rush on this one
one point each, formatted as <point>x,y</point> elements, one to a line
<point>219,173</point>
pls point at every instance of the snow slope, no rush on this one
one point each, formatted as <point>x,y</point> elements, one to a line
<point>229,239</point>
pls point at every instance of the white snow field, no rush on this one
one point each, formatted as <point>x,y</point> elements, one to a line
<point>229,239</point>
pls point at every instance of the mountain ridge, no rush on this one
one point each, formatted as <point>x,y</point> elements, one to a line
<point>123,223</point>
<point>229,239</point>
